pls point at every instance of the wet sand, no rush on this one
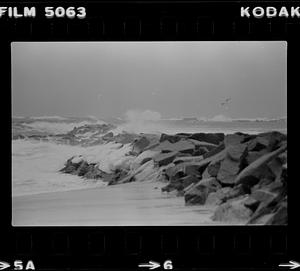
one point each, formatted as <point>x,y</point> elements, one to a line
<point>132,204</point>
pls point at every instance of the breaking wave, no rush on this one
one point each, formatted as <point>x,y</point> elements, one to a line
<point>35,167</point>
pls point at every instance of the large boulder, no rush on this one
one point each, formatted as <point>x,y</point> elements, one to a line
<point>164,146</point>
<point>182,146</point>
<point>187,180</point>
<point>235,192</point>
<point>186,189</point>
<point>199,192</point>
<point>262,172</point>
<point>181,169</point>
<point>216,198</point>
<point>266,189</point>
<point>189,159</point>
<point>180,184</point>
<point>233,139</point>
<point>254,155</point>
<point>72,165</point>
<point>228,171</point>
<point>219,149</point>
<point>202,144</point>
<point>174,172</point>
<point>275,139</point>
<point>146,172</point>
<point>276,187</point>
<point>170,138</point>
<point>260,183</point>
<point>279,216</point>
<point>247,137</point>
<point>82,169</point>
<point>270,202</point>
<point>171,169</point>
<point>234,211</point>
<point>251,203</point>
<point>163,159</point>
<point>200,151</point>
<point>69,166</point>
<point>214,138</point>
<point>237,152</point>
<point>115,177</point>
<point>283,158</point>
<point>258,144</point>
<point>263,195</point>
<point>212,169</point>
<point>140,144</point>
<point>119,180</point>
<point>142,158</point>
<point>201,161</point>
<point>193,170</point>
<point>93,172</point>
<point>77,166</point>
<point>231,165</point>
<point>152,146</point>
<point>258,164</point>
<point>276,167</point>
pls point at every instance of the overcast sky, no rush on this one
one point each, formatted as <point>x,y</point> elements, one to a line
<point>176,79</point>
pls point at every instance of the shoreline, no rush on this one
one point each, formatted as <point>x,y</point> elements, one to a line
<point>80,208</point>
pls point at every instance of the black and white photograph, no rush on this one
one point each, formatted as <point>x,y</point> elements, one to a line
<point>149,133</point>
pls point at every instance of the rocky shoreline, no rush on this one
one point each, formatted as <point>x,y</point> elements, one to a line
<point>243,176</point>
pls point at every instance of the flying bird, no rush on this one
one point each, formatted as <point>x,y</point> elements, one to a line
<point>226,102</point>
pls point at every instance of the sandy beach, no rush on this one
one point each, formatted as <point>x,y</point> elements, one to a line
<point>139,204</point>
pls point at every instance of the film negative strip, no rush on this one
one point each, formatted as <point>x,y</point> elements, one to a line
<point>148,135</point>
<point>151,21</point>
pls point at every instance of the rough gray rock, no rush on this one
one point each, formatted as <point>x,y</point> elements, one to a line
<point>213,152</point>
<point>233,139</point>
<point>263,195</point>
<point>180,184</point>
<point>237,152</point>
<point>170,138</point>
<point>216,198</point>
<point>182,146</point>
<point>163,159</point>
<point>279,217</point>
<point>228,171</point>
<point>200,191</point>
<point>258,144</point>
<point>257,164</point>
<point>214,138</point>
<point>234,211</point>
<point>83,169</point>
<point>254,155</point>
<point>139,145</point>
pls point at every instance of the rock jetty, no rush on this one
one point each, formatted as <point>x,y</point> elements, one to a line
<point>243,176</point>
